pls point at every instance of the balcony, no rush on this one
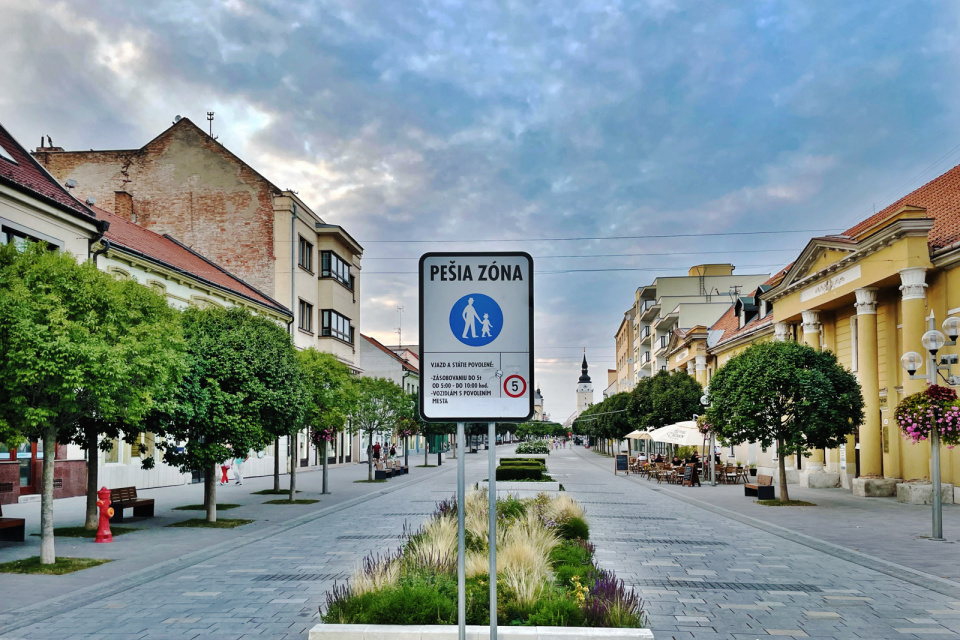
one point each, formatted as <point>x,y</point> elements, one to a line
<point>645,358</point>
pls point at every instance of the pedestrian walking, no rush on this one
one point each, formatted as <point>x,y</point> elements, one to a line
<point>237,469</point>
<point>224,468</point>
<point>393,452</point>
<point>376,451</point>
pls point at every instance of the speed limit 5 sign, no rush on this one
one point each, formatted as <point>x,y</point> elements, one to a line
<point>476,336</point>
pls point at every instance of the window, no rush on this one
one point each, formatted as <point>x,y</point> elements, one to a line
<point>336,325</point>
<point>6,155</point>
<point>306,316</point>
<point>19,238</point>
<point>333,266</point>
<point>306,255</point>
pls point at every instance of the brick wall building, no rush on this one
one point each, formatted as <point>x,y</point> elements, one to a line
<point>186,184</point>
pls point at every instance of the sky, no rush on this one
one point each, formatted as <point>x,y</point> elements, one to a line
<point>574,131</point>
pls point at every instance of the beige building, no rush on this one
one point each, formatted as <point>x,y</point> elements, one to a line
<point>186,184</point>
<point>680,303</point>
<point>624,375</point>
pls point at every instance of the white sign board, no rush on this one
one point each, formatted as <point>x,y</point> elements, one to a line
<point>476,337</point>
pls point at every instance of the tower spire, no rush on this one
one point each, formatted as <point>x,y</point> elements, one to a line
<point>584,376</point>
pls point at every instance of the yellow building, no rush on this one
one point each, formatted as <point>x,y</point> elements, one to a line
<point>868,295</point>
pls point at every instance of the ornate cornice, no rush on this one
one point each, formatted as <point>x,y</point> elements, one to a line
<point>866,301</point>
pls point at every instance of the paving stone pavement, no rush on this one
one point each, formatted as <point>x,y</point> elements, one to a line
<point>702,575</point>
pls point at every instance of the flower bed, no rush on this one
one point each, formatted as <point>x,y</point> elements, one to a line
<point>537,446</point>
<point>546,573</point>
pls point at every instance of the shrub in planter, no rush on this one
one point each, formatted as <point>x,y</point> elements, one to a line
<point>521,461</point>
<point>556,612</point>
<point>573,529</point>
<point>520,472</point>
<point>536,446</point>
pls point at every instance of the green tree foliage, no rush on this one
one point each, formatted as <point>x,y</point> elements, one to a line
<point>243,386</point>
<point>77,345</point>
<point>664,399</point>
<point>787,395</point>
<point>429,429</point>
<point>379,403</point>
<point>330,398</point>
<point>539,429</point>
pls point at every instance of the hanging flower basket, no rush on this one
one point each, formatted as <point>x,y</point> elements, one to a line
<point>934,408</point>
<point>406,427</point>
<point>322,436</point>
<point>703,425</point>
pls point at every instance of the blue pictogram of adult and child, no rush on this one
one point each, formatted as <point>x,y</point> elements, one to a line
<point>476,320</point>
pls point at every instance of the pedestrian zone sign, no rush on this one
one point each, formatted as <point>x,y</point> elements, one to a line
<point>476,337</point>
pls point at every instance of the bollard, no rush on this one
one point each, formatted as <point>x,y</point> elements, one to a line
<point>106,512</point>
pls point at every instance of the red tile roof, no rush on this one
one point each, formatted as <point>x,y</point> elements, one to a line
<point>406,365</point>
<point>166,250</point>
<point>29,175</point>
<point>940,197</point>
<point>729,323</point>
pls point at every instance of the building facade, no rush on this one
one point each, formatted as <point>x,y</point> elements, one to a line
<point>680,302</point>
<point>186,184</point>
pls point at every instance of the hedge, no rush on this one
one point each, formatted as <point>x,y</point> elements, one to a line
<point>522,461</point>
<point>520,472</point>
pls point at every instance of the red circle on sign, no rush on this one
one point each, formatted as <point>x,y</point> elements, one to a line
<point>523,388</point>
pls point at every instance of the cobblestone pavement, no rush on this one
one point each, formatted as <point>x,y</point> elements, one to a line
<point>703,574</point>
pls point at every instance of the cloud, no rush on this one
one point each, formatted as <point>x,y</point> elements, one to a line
<point>486,123</point>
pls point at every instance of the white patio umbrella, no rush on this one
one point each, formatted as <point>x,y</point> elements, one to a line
<point>639,435</point>
<point>680,433</point>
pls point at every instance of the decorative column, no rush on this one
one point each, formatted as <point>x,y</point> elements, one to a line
<point>916,457</point>
<point>691,369</point>
<point>701,368</point>
<point>871,446</point>
<point>781,332</point>
<point>811,338</point>
<point>811,328</point>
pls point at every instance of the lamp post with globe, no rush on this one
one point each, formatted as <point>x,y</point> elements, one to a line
<point>933,341</point>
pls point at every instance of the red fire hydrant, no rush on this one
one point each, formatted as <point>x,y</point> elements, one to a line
<point>106,512</point>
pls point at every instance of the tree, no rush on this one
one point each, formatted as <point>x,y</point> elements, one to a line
<point>787,395</point>
<point>664,399</point>
<point>242,386</point>
<point>77,346</point>
<point>331,398</point>
<point>379,403</point>
<point>428,429</point>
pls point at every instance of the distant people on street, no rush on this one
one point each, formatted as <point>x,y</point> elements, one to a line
<point>376,451</point>
<point>237,464</point>
<point>224,468</point>
<point>694,458</point>
<point>393,452</point>
<point>716,458</point>
<point>659,458</point>
<point>676,460</point>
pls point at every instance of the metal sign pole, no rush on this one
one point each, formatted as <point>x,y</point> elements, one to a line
<point>461,542</point>
<point>492,534</point>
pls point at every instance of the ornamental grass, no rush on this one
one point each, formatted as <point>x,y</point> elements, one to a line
<point>545,576</point>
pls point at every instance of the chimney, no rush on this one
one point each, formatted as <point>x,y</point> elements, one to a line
<point>123,205</point>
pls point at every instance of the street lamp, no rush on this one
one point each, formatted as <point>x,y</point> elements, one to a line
<point>911,361</point>
<point>705,401</point>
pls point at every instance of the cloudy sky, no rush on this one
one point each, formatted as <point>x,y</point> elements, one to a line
<point>570,130</point>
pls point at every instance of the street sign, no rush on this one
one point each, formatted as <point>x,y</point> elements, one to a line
<point>476,337</point>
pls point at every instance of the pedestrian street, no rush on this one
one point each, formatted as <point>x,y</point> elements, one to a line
<point>702,574</point>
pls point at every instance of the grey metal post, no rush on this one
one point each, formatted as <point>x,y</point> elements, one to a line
<point>461,542</point>
<point>713,463</point>
<point>492,534</point>
<point>935,447</point>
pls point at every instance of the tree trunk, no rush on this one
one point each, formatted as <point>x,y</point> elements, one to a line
<point>406,452</point>
<point>294,454</point>
<point>93,479</point>
<point>370,455</point>
<point>210,493</point>
<point>323,452</point>
<point>48,553</point>
<point>276,464</point>
<point>784,494</point>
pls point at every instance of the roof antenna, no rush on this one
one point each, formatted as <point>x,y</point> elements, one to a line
<point>210,120</point>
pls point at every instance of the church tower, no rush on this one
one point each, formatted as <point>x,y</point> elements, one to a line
<point>584,389</point>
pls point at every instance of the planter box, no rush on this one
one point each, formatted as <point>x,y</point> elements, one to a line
<point>444,632</point>
<point>512,486</point>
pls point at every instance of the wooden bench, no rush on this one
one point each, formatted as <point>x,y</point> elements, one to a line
<point>763,488</point>
<point>126,498</point>
<point>11,529</point>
